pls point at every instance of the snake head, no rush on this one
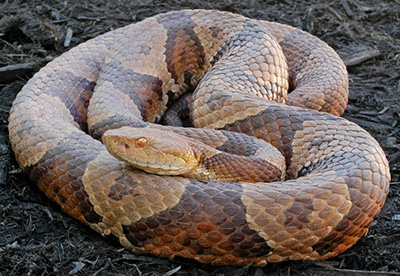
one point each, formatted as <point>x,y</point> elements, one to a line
<point>152,150</point>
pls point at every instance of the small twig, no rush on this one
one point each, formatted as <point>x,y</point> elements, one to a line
<point>359,57</point>
<point>11,72</point>
<point>346,7</point>
<point>68,37</point>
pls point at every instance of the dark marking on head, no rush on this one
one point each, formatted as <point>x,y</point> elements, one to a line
<point>209,213</point>
<point>59,174</point>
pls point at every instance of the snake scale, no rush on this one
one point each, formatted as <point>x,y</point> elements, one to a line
<point>263,79</point>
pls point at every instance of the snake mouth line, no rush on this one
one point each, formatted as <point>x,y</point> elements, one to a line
<point>153,166</point>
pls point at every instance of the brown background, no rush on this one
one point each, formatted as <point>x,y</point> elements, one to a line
<point>38,239</point>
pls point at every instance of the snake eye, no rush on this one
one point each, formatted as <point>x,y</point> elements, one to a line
<point>141,142</point>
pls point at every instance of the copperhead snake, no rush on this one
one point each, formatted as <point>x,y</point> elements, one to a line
<point>336,178</point>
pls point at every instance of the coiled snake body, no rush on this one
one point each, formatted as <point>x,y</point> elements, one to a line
<point>336,177</point>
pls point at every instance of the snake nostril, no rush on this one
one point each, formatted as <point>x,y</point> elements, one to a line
<point>127,146</point>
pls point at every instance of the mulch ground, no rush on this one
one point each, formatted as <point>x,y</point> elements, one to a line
<point>38,239</point>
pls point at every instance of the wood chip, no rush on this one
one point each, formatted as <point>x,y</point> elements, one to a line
<point>68,37</point>
<point>346,7</point>
<point>357,58</point>
<point>12,72</point>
